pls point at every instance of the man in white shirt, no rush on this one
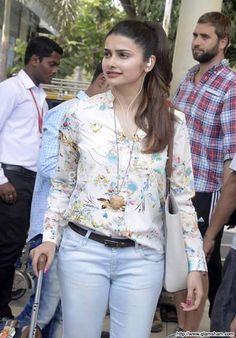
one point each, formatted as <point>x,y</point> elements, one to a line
<point>21,114</point>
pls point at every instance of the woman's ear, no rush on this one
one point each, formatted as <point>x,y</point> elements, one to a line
<point>150,63</point>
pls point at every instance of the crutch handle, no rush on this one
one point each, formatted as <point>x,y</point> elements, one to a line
<point>42,262</point>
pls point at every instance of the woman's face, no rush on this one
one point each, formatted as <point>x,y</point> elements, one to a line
<point>123,62</point>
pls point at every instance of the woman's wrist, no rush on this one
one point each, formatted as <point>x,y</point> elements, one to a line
<point>201,272</point>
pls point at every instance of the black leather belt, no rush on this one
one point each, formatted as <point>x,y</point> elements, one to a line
<point>18,169</point>
<point>105,240</point>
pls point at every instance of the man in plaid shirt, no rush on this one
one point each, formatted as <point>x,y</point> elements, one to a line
<point>207,96</point>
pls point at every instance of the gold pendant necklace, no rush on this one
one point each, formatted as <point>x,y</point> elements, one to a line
<point>117,202</point>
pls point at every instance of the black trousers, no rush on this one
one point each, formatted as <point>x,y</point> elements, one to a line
<point>204,203</point>
<point>14,224</point>
<point>224,308</point>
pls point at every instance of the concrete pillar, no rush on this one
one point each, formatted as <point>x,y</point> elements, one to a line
<point>167,16</point>
<point>190,11</point>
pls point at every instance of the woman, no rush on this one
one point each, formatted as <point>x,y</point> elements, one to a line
<point>109,190</point>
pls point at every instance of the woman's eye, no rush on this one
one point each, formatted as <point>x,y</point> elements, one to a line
<point>124,56</point>
<point>106,54</point>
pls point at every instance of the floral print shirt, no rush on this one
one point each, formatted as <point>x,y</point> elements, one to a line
<point>91,147</point>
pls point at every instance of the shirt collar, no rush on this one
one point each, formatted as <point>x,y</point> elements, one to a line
<point>25,79</point>
<point>214,69</point>
<point>108,96</point>
<point>81,95</point>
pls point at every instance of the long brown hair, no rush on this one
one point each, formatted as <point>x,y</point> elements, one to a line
<point>154,115</point>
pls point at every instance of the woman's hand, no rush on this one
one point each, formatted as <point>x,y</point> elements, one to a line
<point>195,291</point>
<point>233,325</point>
<point>47,248</point>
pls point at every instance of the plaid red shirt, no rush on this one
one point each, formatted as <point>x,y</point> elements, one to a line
<point>210,109</point>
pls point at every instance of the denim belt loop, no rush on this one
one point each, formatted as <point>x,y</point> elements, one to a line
<point>88,234</point>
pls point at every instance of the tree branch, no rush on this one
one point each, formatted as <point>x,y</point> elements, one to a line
<point>129,8</point>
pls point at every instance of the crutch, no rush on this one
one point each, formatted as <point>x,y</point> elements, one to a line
<point>32,331</point>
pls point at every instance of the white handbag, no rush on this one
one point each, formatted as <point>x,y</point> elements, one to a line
<point>176,263</point>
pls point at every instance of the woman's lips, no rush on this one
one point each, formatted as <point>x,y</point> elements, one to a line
<point>112,74</point>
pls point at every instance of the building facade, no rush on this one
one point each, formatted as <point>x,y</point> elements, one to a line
<point>25,22</point>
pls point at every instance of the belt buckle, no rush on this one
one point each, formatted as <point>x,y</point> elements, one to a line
<point>113,244</point>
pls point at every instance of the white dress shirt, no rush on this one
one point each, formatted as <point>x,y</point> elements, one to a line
<point>19,130</point>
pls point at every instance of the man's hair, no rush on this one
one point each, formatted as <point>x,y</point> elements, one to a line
<point>97,71</point>
<point>221,22</point>
<point>42,47</point>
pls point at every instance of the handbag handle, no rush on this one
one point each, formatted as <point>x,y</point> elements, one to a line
<point>169,165</point>
<point>169,161</point>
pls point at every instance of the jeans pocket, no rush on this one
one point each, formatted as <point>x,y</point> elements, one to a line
<point>149,254</point>
<point>71,240</point>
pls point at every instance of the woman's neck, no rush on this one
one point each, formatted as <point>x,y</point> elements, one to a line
<point>128,97</point>
<point>125,108</point>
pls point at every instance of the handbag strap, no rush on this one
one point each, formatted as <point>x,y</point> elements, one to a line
<point>169,165</point>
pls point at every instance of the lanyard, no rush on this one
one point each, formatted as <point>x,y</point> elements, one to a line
<point>40,113</point>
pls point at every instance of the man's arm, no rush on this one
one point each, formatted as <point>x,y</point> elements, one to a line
<point>8,103</point>
<point>48,155</point>
<point>224,208</point>
<point>226,170</point>
<point>49,150</point>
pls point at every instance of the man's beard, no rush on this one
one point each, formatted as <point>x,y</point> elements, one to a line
<point>207,56</point>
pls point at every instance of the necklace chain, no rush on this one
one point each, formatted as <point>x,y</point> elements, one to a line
<point>120,185</point>
<point>126,112</point>
<point>117,201</point>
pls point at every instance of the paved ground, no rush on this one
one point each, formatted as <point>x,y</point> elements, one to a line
<point>168,327</point>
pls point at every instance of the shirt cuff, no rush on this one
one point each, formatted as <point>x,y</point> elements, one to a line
<point>53,235</point>
<point>197,264</point>
<point>3,178</point>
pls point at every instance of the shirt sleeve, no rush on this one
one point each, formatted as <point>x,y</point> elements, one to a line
<point>228,123</point>
<point>50,144</point>
<point>182,186</point>
<point>6,107</point>
<point>50,140</point>
<point>233,163</point>
<point>64,179</point>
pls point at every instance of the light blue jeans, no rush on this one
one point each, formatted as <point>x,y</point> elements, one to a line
<point>49,306</point>
<point>93,276</point>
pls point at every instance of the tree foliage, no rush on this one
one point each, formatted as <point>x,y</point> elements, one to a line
<point>83,24</point>
<point>154,10</point>
<point>84,45</point>
<point>19,50</point>
<point>63,13</point>
<point>229,8</point>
